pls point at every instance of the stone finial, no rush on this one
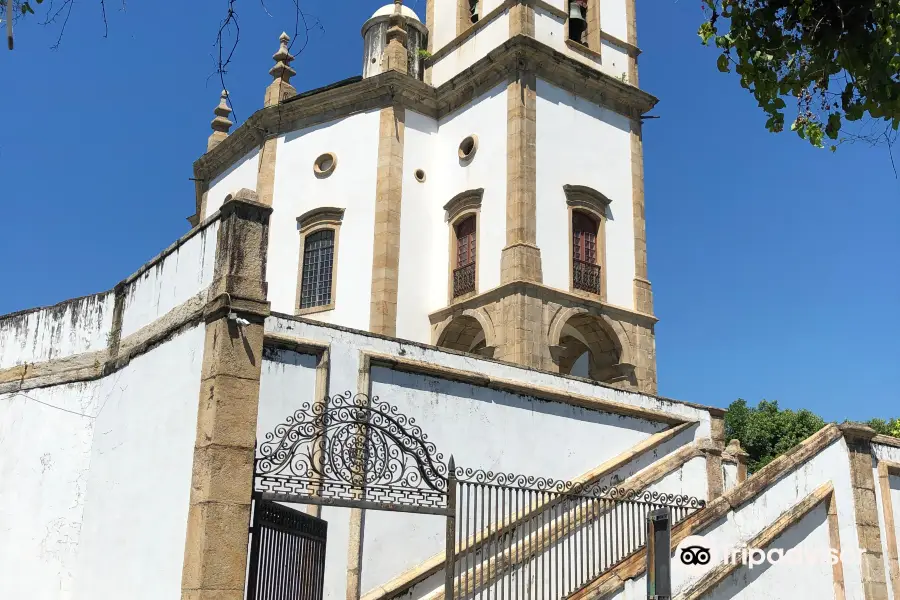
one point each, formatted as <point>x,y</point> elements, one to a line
<point>221,124</point>
<point>282,72</point>
<point>395,56</point>
<point>734,449</point>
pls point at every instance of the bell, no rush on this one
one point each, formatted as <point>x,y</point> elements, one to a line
<point>575,11</point>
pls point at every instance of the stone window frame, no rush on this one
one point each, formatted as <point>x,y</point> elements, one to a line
<point>886,469</point>
<point>312,221</point>
<point>592,32</point>
<point>580,198</point>
<point>463,18</point>
<point>460,207</point>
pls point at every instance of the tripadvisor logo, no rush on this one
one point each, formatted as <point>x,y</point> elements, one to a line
<point>697,555</point>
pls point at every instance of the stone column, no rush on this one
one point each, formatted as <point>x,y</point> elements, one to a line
<point>735,451</point>
<point>389,193</point>
<point>219,515</point>
<point>643,293</point>
<point>521,19</point>
<point>859,443</point>
<point>714,476</point>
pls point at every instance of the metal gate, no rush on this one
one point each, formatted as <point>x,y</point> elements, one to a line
<point>508,536</point>
<point>287,553</point>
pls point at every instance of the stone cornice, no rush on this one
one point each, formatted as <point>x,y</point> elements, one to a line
<point>463,201</point>
<point>582,196</point>
<point>494,294</point>
<point>392,88</point>
<point>324,215</point>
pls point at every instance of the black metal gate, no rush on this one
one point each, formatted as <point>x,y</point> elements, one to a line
<point>287,553</point>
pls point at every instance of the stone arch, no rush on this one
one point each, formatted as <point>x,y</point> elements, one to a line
<point>576,331</point>
<point>467,332</point>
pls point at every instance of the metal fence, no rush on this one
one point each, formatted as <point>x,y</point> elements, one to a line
<point>543,539</point>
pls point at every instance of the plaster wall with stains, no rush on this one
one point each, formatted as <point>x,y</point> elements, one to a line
<point>97,477</point>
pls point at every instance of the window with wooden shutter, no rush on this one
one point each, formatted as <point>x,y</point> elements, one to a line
<point>464,274</point>
<point>586,271</point>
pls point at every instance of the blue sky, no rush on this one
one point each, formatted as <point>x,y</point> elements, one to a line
<point>774,265</point>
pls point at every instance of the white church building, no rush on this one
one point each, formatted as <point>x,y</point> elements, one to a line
<point>406,351</point>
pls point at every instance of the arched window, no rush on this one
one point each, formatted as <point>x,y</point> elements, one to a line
<point>318,269</point>
<point>464,274</point>
<point>586,270</point>
<point>578,14</point>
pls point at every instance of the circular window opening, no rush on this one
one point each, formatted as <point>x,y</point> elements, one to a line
<point>420,175</point>
<point>325,164</point>
<point>468,147</point>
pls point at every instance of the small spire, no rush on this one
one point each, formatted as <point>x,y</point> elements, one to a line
<point>395,57</point>
<point>221,124</point>
<point>282,72</point>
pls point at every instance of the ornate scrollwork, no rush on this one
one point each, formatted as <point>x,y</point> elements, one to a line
<point>353,447</point>
<point>572,488</point>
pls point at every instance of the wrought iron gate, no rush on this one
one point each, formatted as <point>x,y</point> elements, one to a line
<point>507,535</point>
<point>287,554</point>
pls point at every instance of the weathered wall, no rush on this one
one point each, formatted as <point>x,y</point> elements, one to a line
<point>136,503</point>
<point>69,328</point>
<point>181,274</point>
<point>598,157</point>
<point>242,174</point>
<point>890,454</point>
<point>97,477</point>
<point>747,521</point>
<point>354,141</point>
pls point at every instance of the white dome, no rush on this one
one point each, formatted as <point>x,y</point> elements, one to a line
<point>388,9</point>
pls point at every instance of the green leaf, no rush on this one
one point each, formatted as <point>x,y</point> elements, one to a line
<point>706,32</point>
<point>779,103</point>
<point>834,125</point>
<point>722,63</point>
<point>26,8</point>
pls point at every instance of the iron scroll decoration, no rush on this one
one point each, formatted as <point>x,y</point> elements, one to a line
<point>573,488</point>
<point>352,447</point>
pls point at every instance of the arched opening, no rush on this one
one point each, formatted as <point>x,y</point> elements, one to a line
<point>586,349</point>
<point>464,334</point>
<point>464,270</point>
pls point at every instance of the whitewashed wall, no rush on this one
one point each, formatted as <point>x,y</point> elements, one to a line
<point>443,30</point>
<point>69,328</point>
<point>423,231</point>
<point>354,141</point>
<point>486,118</point>
<point>138,487</point>
<point>242,174</point>
<point>613,18</point>
<point>181,274</point>
<point>740,526</point>
<point>45,455</point>
<point>598,156</point>
<point>729,475</point>
<point>472,50</point>
<point>97,479</point>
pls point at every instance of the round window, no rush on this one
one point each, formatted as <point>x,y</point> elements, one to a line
<point>325,164</point>
<point>420,175</point>
<point>468,147</point>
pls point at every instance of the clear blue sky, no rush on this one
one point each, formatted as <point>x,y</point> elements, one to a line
<point>774,265</point>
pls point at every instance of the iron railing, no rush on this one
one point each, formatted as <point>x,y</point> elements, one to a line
<point>287,554</point>
<point>464,280</point>
<point>535,542</point>
<point>586,276</point>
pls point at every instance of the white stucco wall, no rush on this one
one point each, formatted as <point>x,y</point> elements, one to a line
<point>422,286</point>
<point>69,328</point>
<point>242,174</point>
<point>486,118</point>
<point>182,274</point>
<point>740,526</point>
<point>443,30</point>
<point>45,454</point>
<point>354,141</point>
<point>729,474</point>
<point>599,156</point>
<point>613,18</point>
<point>97,479</point>
<point>890,454</point>
<point>138,487</point>
<point>472,50</point>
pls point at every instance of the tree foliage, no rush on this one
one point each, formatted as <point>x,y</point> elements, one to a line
<point>766,432</point>
<point>883,427</point>
<point>839,60</point>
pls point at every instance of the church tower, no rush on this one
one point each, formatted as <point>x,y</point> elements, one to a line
<point>479,188</point>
